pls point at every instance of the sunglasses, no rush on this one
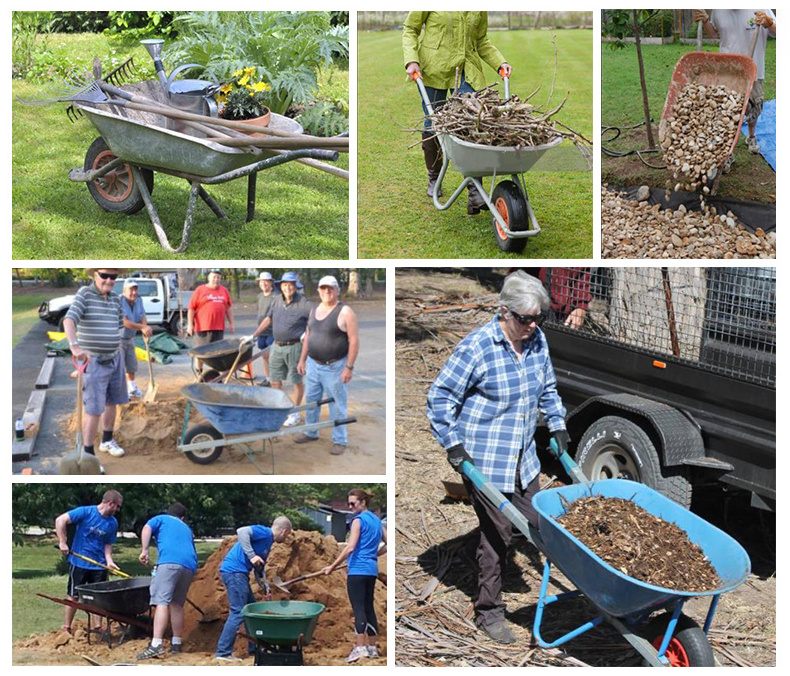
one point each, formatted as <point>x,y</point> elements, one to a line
<point>353,504</point>
<point>107,275</point>
<point>526,320</point>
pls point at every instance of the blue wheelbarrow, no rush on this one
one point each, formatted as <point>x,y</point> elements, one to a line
<point>669,639</point>
<point>240,414</point>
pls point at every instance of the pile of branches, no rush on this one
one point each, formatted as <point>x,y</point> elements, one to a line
<point>483,117</point>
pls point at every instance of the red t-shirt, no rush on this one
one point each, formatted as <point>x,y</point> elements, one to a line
<point>210,307</point>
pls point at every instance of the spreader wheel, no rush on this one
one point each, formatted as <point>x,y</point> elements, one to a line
<point>510,204</point>
<point>115,191</point>
<point>198,434</point>
<point>689,646</point>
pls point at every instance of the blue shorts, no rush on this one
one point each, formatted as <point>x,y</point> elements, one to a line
<point>264,341</point>
<point>104,384</point>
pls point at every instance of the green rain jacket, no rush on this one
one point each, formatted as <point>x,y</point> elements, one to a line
<point>451,40</point>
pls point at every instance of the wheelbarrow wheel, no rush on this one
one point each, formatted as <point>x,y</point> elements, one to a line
<point>689,646</point>
<point>512,207</point>
<point>198,434</point>
<point>209,376</point>
<point>116,191</point>
<point>617,448</point>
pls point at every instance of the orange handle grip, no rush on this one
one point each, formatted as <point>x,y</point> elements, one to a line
<point>416,75</point>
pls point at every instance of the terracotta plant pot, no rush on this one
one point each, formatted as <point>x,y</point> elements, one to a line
<point>262,121</point>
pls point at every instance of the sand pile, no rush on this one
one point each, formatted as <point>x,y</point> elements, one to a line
<point>304,552</point>
<point>145,429</point>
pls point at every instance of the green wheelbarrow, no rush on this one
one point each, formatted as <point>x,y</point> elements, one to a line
<point>280,629</point>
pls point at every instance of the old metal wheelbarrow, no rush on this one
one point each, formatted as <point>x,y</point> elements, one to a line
<point>508,201</point>
<point>668,639</point>
<point>240,414</point>
<point>220,357</point>
<point>280,629</point>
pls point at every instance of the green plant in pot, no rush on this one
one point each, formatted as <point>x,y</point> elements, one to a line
<point>244,98</point>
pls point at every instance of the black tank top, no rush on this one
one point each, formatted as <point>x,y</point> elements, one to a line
<point>326,342</point>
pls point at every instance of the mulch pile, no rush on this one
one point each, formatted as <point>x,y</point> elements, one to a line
<point>639,544</point>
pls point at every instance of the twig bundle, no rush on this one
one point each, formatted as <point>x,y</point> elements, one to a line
<point>483,117</point>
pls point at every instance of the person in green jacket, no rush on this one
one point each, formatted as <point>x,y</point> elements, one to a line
<point>452,40</point>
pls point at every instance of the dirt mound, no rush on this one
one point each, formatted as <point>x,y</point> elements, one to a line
<point>304,552</point>
<point>144,429</point>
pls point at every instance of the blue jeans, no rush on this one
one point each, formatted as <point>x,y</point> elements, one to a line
<point>239,595</point>
<point>324,381</point>
<point>439,96</point>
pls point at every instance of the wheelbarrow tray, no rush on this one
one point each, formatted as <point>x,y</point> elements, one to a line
<point>282,623</point>
<point>608,588</point>
<point>221,354</point>
<point>474,159</point>
<point>126,597</point>
<point>143,138</point>
<point>240,409</point>
<point>735,71</point>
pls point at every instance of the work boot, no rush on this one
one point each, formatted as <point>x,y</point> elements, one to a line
<point>337,449</point>
<point>304,439</point>
<point>500,633</point>
<point>475,202</point>
<point>433,160</point>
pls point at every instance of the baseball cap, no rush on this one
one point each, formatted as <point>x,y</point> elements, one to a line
<point>129,283</point>
<point>329,280</point>
<point>215,270</point>
<point>265,275</point>
<point>290,277</point>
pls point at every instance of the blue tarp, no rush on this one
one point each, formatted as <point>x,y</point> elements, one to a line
<point>766,132</point>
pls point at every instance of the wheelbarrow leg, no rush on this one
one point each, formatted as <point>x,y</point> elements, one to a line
<point>252,182</point>
<point>209,200</point>
<point>154,216</point>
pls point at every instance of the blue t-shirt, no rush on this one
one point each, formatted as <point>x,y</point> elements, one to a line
<point>132,313</point>
<point>364,559</point>
<point>174,541</point>
<point>236,560</point>
<point>93,532</point>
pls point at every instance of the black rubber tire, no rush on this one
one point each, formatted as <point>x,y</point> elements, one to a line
<point>61,328</point>
<point>617,448</point>
<point>175,324</point>
<point>119,194</point>
<point>209,375</point>
<point>203,457</point>
<point>509,202</point>
<point>689,646</point>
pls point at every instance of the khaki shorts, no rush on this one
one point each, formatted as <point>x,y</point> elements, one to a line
<point>756,100</point>
<point>283,360</point>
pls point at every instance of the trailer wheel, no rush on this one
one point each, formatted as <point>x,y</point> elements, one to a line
<point>509,202</point>
<point>689,646</point>
<point>175,325</point>
<point>115,192</point>
<point>616,448</point>
<point>203,433</point>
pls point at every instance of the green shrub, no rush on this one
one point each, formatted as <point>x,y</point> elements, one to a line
<point>324,118</point>
<point>287,48</point>
<point>28,35</point>
<point>140,25</point>
<point>79,22</point>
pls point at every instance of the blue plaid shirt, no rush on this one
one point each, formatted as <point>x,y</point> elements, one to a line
<point>487,398</point>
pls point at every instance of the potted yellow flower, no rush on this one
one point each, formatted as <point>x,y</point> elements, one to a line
<point>244,98</point>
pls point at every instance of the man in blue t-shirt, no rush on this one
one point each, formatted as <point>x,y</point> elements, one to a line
<point>96,530</point>
<point>251,551</point>
<point>176,565</point>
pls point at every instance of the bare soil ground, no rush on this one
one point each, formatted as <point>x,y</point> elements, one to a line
<point>305,552</point>
<point>437,534</point>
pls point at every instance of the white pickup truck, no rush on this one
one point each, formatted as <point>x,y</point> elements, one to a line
<point>160,299</point>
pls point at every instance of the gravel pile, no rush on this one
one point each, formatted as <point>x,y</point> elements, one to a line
<point>632,229</point>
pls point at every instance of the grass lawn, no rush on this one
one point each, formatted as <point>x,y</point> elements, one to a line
<point>32,571</point>
<point>395,217</point>
<point>24,311</point>
<point>301,213</point>
<point>621,106</point>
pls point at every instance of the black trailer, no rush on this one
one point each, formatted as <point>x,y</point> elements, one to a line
<point>669,374</point>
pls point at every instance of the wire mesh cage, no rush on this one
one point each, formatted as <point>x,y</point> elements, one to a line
<point>720,319</point>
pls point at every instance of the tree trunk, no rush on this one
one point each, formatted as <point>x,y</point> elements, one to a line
<point>187,278</point>
<point>369,276</point>
<point>353,283</point>
<point>651,143</point>
<point>235,285</point>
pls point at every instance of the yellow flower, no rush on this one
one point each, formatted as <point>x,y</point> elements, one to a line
<point>237,73</point>
<point>226,88</point>
<point>250,71</point>
<point>244,80</point>
<point>260,87</point>
<point>221,98</point>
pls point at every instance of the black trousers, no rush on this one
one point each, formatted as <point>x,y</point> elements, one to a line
<point>361,589</point>
<point>496,535</point>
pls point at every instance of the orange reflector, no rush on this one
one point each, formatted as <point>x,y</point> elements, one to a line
<point>659,364</point>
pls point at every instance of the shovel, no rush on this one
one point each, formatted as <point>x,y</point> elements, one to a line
<point>78,461</point>
<point>153,387</point>
<point>283,586</point>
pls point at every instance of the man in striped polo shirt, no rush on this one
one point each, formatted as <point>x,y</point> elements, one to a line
<point>94,325</point>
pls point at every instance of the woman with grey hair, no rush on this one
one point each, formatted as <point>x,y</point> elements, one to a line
<point>483,408</point>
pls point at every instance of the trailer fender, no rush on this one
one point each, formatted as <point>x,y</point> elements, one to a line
<point>676,437</point>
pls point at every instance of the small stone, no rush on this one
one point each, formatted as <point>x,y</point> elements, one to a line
<point>643,193</point>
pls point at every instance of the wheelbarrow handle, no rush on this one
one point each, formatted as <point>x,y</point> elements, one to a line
<point>417,77</point>
<point>506,80</point>
<point>344,421</point>
<point>328,400</point>
<point>324,155</point>
<point>569,465</point>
